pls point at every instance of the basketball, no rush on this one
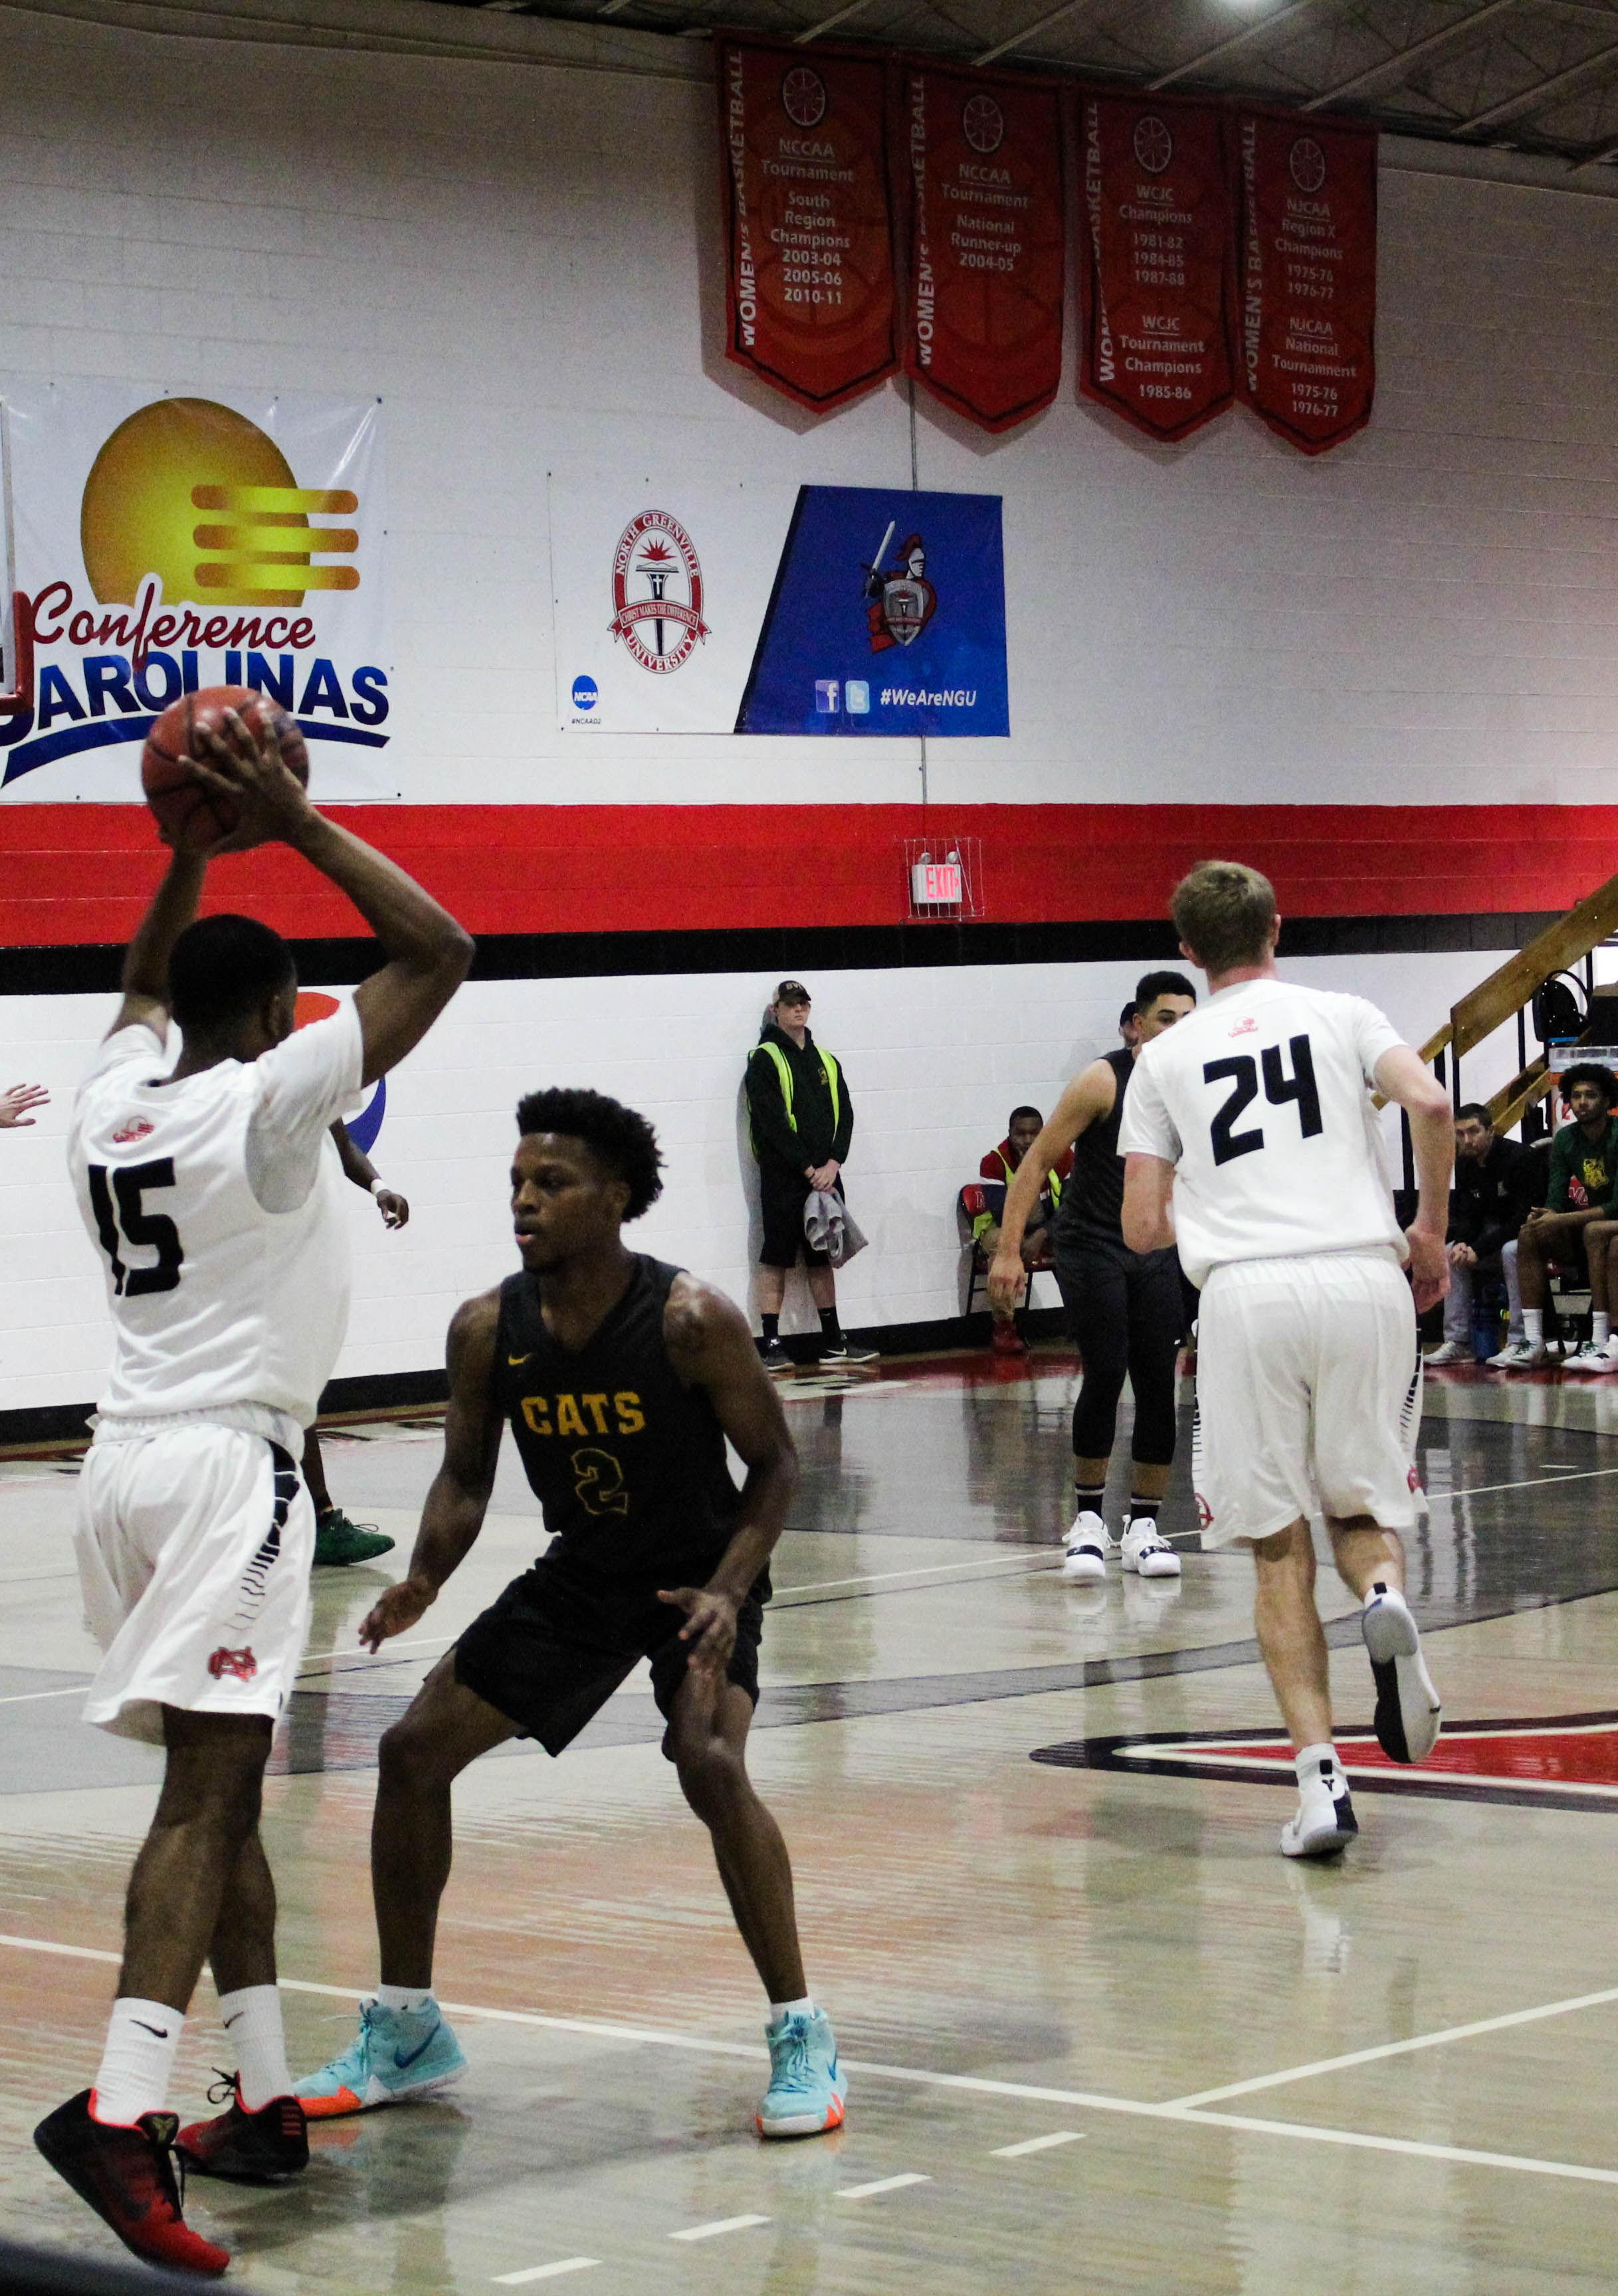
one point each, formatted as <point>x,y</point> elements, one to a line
<point>193,817</point>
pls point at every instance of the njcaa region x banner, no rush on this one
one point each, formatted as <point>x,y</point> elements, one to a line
<point>163,544</point>
<point>778,609</point>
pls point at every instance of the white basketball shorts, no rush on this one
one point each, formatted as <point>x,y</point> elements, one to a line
<point>1307,1394</point>
<point>195,1546</point>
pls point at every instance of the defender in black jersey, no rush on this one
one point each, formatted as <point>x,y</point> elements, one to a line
<point>1124,1309</point>
<point>621,1379</point>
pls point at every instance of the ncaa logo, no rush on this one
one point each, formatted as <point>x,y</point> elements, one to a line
<point>657,593</point>
<point>586,694</point>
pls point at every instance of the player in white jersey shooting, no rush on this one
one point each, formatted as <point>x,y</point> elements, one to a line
<point>212,1192</point>
<point>1249,1137</point>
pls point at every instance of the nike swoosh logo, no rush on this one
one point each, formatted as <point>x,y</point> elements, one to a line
<point>228,2021</point>
<point>519,1359</point>
<point>403,2059</point>
<point>159,2032</point>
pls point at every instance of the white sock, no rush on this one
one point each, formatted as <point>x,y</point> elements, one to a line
<point>1600,1326</point>
<point>1308,1761</point>
<point>406,1999</point>
<point>780,2010</point>
<point>251,2016</point>
<point>138,2063</point>
<point>1533,1326</point>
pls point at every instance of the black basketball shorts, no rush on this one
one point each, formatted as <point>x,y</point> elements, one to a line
<point>552,1648</point>
<point>782,1196</point>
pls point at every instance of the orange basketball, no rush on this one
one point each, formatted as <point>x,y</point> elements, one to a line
<point>191,816</point>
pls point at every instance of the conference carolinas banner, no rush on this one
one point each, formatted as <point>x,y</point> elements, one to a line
<point>809,289</point>
<point>987,242</point>
<point>165,544</point>
<point>1156,285</point>
<point>1308,276</point>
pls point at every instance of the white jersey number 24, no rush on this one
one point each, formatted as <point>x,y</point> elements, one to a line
<point>1243,1072</point>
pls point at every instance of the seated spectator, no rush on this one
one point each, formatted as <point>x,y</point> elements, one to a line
<point>1489,1201</point>
<point>1582,1191</point>
<point>1001,1163</point>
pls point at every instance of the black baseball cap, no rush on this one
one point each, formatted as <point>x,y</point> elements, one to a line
<point>791,992</point>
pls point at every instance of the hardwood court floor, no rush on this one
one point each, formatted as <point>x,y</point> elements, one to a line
<point>1101,2036</point>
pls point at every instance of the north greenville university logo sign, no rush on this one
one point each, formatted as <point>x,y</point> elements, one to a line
<point>657,591</point>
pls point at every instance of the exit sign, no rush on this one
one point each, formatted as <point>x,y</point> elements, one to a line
<point>936,884</point>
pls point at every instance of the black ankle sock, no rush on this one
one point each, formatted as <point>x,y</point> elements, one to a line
<point>1086,1496</point>
<point>772,1329</point>
<point>1139,1506</point>
<point>829,1326</point>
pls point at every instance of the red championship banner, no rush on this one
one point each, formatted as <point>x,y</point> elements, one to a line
<point>810,291</point>
<point>986,242</point>
<point>1308,261</point>
<point>1156,281</point>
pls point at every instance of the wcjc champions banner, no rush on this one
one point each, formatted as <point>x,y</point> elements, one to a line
<point>159,544</point>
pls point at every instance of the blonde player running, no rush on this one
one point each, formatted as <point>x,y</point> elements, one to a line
<point>1253,1117</point>
<point>212,1195</point>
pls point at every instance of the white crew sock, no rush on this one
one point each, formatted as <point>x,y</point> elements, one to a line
<point>406,1999</point>
<point>138,2063</point>
<point>780,2010</point>
<point>1600,1327</point>
<point>251,2016</point>
<point>1533,1326</point>
<point>1308,1761</point>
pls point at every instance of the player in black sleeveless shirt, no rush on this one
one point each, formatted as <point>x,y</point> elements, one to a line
<point>621,1379</point>
<point>1124,1309</point>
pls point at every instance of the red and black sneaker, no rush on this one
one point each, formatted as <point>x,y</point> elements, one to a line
<point>266,2147</point>
<point>126,2176</point>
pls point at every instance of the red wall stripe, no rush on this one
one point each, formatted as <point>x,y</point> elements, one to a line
<point>76,873</point>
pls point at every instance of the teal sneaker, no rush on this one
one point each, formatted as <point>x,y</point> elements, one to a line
<point>397,2054</point>
<point>806,2085</point>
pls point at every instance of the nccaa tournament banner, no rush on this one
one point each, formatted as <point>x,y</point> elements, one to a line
<point>1156,282</point>
<point>809,292</point>
<point>1308,276</point>
<point>987,242</point>
<point>160,544</point>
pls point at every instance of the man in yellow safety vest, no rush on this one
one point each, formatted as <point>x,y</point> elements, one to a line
<point>802,1119</point>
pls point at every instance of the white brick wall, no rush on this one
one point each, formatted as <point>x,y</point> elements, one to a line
<point>524,263</point>
<point>936,1058</point>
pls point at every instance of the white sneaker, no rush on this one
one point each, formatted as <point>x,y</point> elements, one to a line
<point>1408,1712</point>
<point>1085,1545</point>
<point>1592,1356</point>
<point>1518,1356</point>
<point>1453,1351</point>
<point>1144,1551</point>
<point>1325,1823</point>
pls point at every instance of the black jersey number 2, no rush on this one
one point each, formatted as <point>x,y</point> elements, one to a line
<point>155,1230</point>
<point>1243,1072</point>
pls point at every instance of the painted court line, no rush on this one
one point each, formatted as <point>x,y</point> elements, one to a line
<point>720,2223</point>
<point>882,2185</point>
<point>1183,2111</point>
<point>545,2271</point>
<point>1037,2144</point>
<point>1398,2048</point>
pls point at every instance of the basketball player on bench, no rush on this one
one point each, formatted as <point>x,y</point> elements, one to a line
<point>212,1195</point>
<point>621,1379</point>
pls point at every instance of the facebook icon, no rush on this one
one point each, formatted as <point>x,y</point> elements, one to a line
<point>825,696</point>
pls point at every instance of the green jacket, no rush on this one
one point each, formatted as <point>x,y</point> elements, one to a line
<point>799,1101</point>
<point>1583,1174</point>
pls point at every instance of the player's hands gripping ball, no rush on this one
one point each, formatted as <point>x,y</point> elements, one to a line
<point>223,770</point>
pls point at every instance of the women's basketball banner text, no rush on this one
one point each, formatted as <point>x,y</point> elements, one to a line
<point>810,303</point>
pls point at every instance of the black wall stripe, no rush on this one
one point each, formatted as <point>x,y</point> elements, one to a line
<point>776,949</point>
